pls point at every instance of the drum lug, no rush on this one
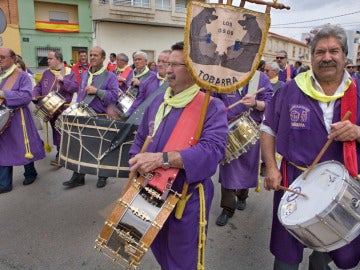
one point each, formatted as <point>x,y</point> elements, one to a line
<point>355,203</point>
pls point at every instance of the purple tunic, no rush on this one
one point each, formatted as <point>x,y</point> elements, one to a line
<point>110,85</point>
<point>283,73</point>
<point>146,88</point>
<point>67,88</point>
<point>175,247</point>
<point>308,132</point>
<point>242,173</point>
<point>12,146</point>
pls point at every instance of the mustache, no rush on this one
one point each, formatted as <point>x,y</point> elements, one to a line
<point>170,76</point>
<point>327,64</point>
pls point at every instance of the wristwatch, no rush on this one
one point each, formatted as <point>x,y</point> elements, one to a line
<point>165,165</point>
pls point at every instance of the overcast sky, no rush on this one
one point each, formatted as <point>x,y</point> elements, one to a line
<point>312,13</point>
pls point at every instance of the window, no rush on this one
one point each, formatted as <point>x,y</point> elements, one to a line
<point>162,4</point>
<point>42,53</point>
<point>136,3</point>
<point>57,16</point>
<point>181,5</point>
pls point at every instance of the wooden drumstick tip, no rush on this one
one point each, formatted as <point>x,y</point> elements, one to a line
<point>293,191</point>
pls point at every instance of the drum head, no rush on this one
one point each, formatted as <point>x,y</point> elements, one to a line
<point>321,186</point>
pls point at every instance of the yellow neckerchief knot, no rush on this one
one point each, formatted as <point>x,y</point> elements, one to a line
<point>161,79</point>
<point>8,73</point>
<point>180,100</point>
<point>303,81</point>
<point>57,72</point>
<point>117,69</point>
<point>146,70</point>
<point>91,75</point>
<point>274,80</point>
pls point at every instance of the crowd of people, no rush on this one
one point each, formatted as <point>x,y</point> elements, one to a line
<point>298,110</point>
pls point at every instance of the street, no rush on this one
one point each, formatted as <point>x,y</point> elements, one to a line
<point>45,226</point>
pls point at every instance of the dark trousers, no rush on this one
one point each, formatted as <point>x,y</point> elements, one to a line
<point>228,199</point>
<point>317,261</point>
<point>6,175</point>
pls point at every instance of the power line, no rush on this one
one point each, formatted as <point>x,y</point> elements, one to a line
<point>312,26</point>
<point>319,19</point>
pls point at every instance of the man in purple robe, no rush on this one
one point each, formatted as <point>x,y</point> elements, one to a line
<point>99,88</point>
<point>299,120</point>
<point>144,81</point>
<point>20,143</point>
<point>60,80</point>
<point>123,72</point>
<point>242,173</point>
<point>287,72</point>
<point>176,245</point>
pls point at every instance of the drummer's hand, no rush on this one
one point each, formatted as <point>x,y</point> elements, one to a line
<point>145,162</point>
<point>135,81</point>
<point>344,131</point>
<point>248,100</point>
<point>91,89</point>
<point>272,179</point>
<point>121,79</point>
<point>60,78</point>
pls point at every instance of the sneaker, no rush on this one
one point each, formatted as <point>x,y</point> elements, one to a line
<point>223,219</point>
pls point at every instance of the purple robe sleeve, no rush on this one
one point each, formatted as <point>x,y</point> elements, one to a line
<point>69,86</point>
<point>22,96</point>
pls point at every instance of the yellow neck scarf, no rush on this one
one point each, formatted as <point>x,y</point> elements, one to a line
<point>274,80</point>
<point>161,79</point>
<point>57,72</point>
<point>121,69</point>
<point>303,81</point>
<point>91,75</point>
<point>146,70</point>
<point>7,73</point>
<point>178,101</point>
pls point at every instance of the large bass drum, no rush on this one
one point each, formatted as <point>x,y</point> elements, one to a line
<point>330,217</point>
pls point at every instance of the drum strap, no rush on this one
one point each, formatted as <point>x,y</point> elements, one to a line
<point>125,74</point>
<point>349,103</point>
<point>181,138</point>
<point>288,73</point>
<point>9,83</point>
<point>102,77</point>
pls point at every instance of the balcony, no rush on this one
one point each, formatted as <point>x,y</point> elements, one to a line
<point>153,12</point>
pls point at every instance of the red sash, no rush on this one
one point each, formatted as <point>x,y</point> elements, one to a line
<point>349,103</point>
<point>181,138</point>
<point>125,74</point>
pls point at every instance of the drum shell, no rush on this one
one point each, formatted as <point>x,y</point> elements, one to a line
<point>85,142</point>
<point>49,105</point>
<point>133,225</point>
<point>243,134</point>
<point>330,228</point>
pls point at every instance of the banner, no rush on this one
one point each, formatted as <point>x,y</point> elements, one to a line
<point>56,27</point>
<point>223,44</point>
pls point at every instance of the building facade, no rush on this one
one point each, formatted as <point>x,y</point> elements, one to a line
<point>63,25</point>
<point>10,36</point>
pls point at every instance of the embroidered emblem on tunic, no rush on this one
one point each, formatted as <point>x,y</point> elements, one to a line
<point>299,117</point>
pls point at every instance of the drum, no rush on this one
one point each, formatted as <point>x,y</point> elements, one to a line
<point>243,133</point>
<point>6,116</point>
<point>96,146</point>
<point>330,217</point>
<point>48,106</point>
<point>125,101</point>
<point>133,225</point>
<point>76,109</point>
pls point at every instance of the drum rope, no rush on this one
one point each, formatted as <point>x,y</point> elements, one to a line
<point>202,229</point>
<point>47,146</point>
<point>28,154</point>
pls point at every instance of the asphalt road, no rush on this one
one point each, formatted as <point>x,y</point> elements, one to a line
<point>45,226</point>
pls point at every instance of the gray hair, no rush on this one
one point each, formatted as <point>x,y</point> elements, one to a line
<point>331,31</point>
<point>123,56</point>
<point>274,66</point>
<point>141,53</point>
<point>284,52</point>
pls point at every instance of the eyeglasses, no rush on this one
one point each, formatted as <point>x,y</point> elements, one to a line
<point>280,57</point>
<point>174,64</point>
<point>267,70</point>
<point>350,67</point>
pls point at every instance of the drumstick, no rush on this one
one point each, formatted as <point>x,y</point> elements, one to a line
<point>325,147</point>
<point>240,101</point>
<point>292,191</point>
<point>132,174</point>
